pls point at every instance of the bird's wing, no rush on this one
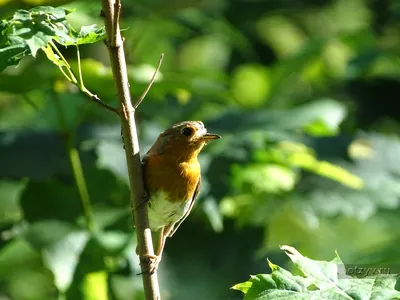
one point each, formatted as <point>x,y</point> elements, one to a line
<point>195,194</point>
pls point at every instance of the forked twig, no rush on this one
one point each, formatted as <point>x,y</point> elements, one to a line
<point>150,83</point>
<point>96,99</point>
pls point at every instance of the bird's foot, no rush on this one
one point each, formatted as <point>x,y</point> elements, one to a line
<point>152,260</point>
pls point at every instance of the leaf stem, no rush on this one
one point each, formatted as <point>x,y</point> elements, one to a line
<point>81,184</point>
<point>71,76</point>
<point>78,56</point>
<point>79,83</point>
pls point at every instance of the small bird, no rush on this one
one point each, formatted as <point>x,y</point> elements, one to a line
<point>172,178</point>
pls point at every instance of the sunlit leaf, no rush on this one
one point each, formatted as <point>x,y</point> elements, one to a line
<point>264,178</point>
<point>10,192</point>
<point>328,111</point>
<point>281,34</point>
<point>60,244</point>
<point>48,50</point>
<point>250,85</point>
<point>210,207</point>
<point>90,34</point>
<point>320,280</point>
<point>203,53</point>
<point>28,31</point>
<point>61,257</point>
<point>95,286</point>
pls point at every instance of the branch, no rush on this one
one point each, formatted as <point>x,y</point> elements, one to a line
<point>83,89</point>
<point>150,83</point>
<point>127,115</point>
<point>79,83</point>
<point>100,102</point>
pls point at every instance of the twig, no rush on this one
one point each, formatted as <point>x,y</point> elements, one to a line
<point>83,89</point>
<point>79,82</point>
<point>150,83</point>
<point>96,99</point>
<point>127,116</point>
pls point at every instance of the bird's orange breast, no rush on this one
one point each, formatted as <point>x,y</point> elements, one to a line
<point>177,179</point>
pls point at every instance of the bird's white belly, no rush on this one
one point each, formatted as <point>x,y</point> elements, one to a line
<point>162,212</point>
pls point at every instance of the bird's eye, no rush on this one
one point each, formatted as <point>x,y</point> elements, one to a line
<point>187,131</point>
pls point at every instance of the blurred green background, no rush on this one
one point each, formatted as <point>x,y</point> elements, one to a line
<point>306,96</point>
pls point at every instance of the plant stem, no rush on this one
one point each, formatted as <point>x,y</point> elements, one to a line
<point>71,76</point>
<point>81,184</point>
<point>127,115</point>
<point>79,83</point>
<point>78,57</point>
<point>76,165</point>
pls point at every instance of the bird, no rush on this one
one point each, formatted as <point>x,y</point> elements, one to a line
<point>172,179</point>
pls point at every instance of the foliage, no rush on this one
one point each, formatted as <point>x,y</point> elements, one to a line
<point>303,93</point>
<point>28,31</point>
<point>318,280</point>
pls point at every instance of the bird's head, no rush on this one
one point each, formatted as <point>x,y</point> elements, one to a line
<point>184,140</point>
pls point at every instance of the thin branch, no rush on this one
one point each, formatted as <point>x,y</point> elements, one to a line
<point>100,102</point>
<point>150,83</point>
<point>83,89</point>
<point>128,124</point>
<point>79,82</point>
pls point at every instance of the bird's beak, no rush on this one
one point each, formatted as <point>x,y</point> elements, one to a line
<point>210,136</point>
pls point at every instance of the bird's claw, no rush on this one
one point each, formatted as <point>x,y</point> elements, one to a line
<point>152,260</point>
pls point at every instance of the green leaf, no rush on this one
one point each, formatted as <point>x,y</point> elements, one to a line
<point>36,42</point>
<point>10,192</point>
<point>264,178</point>
<point>213,213</point>
<point>48,50</point>
<point>90,34</point>
<point>61,257</point>
<point>204,53</point>
<point>92,261</point>
<point>293,154</point>
<point>114,242</point>
<point>62,202</point>
<point>47,154</point>
<point>250,85</point>
<point>12,54</point>
<point>34,74</point>
<point>60,244</point>
<point>94,286</point>
<point>375,162</point>
<point>320,280</point>
<point>22,273</point>
<point>28,31</point>
<point>328,111</point>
